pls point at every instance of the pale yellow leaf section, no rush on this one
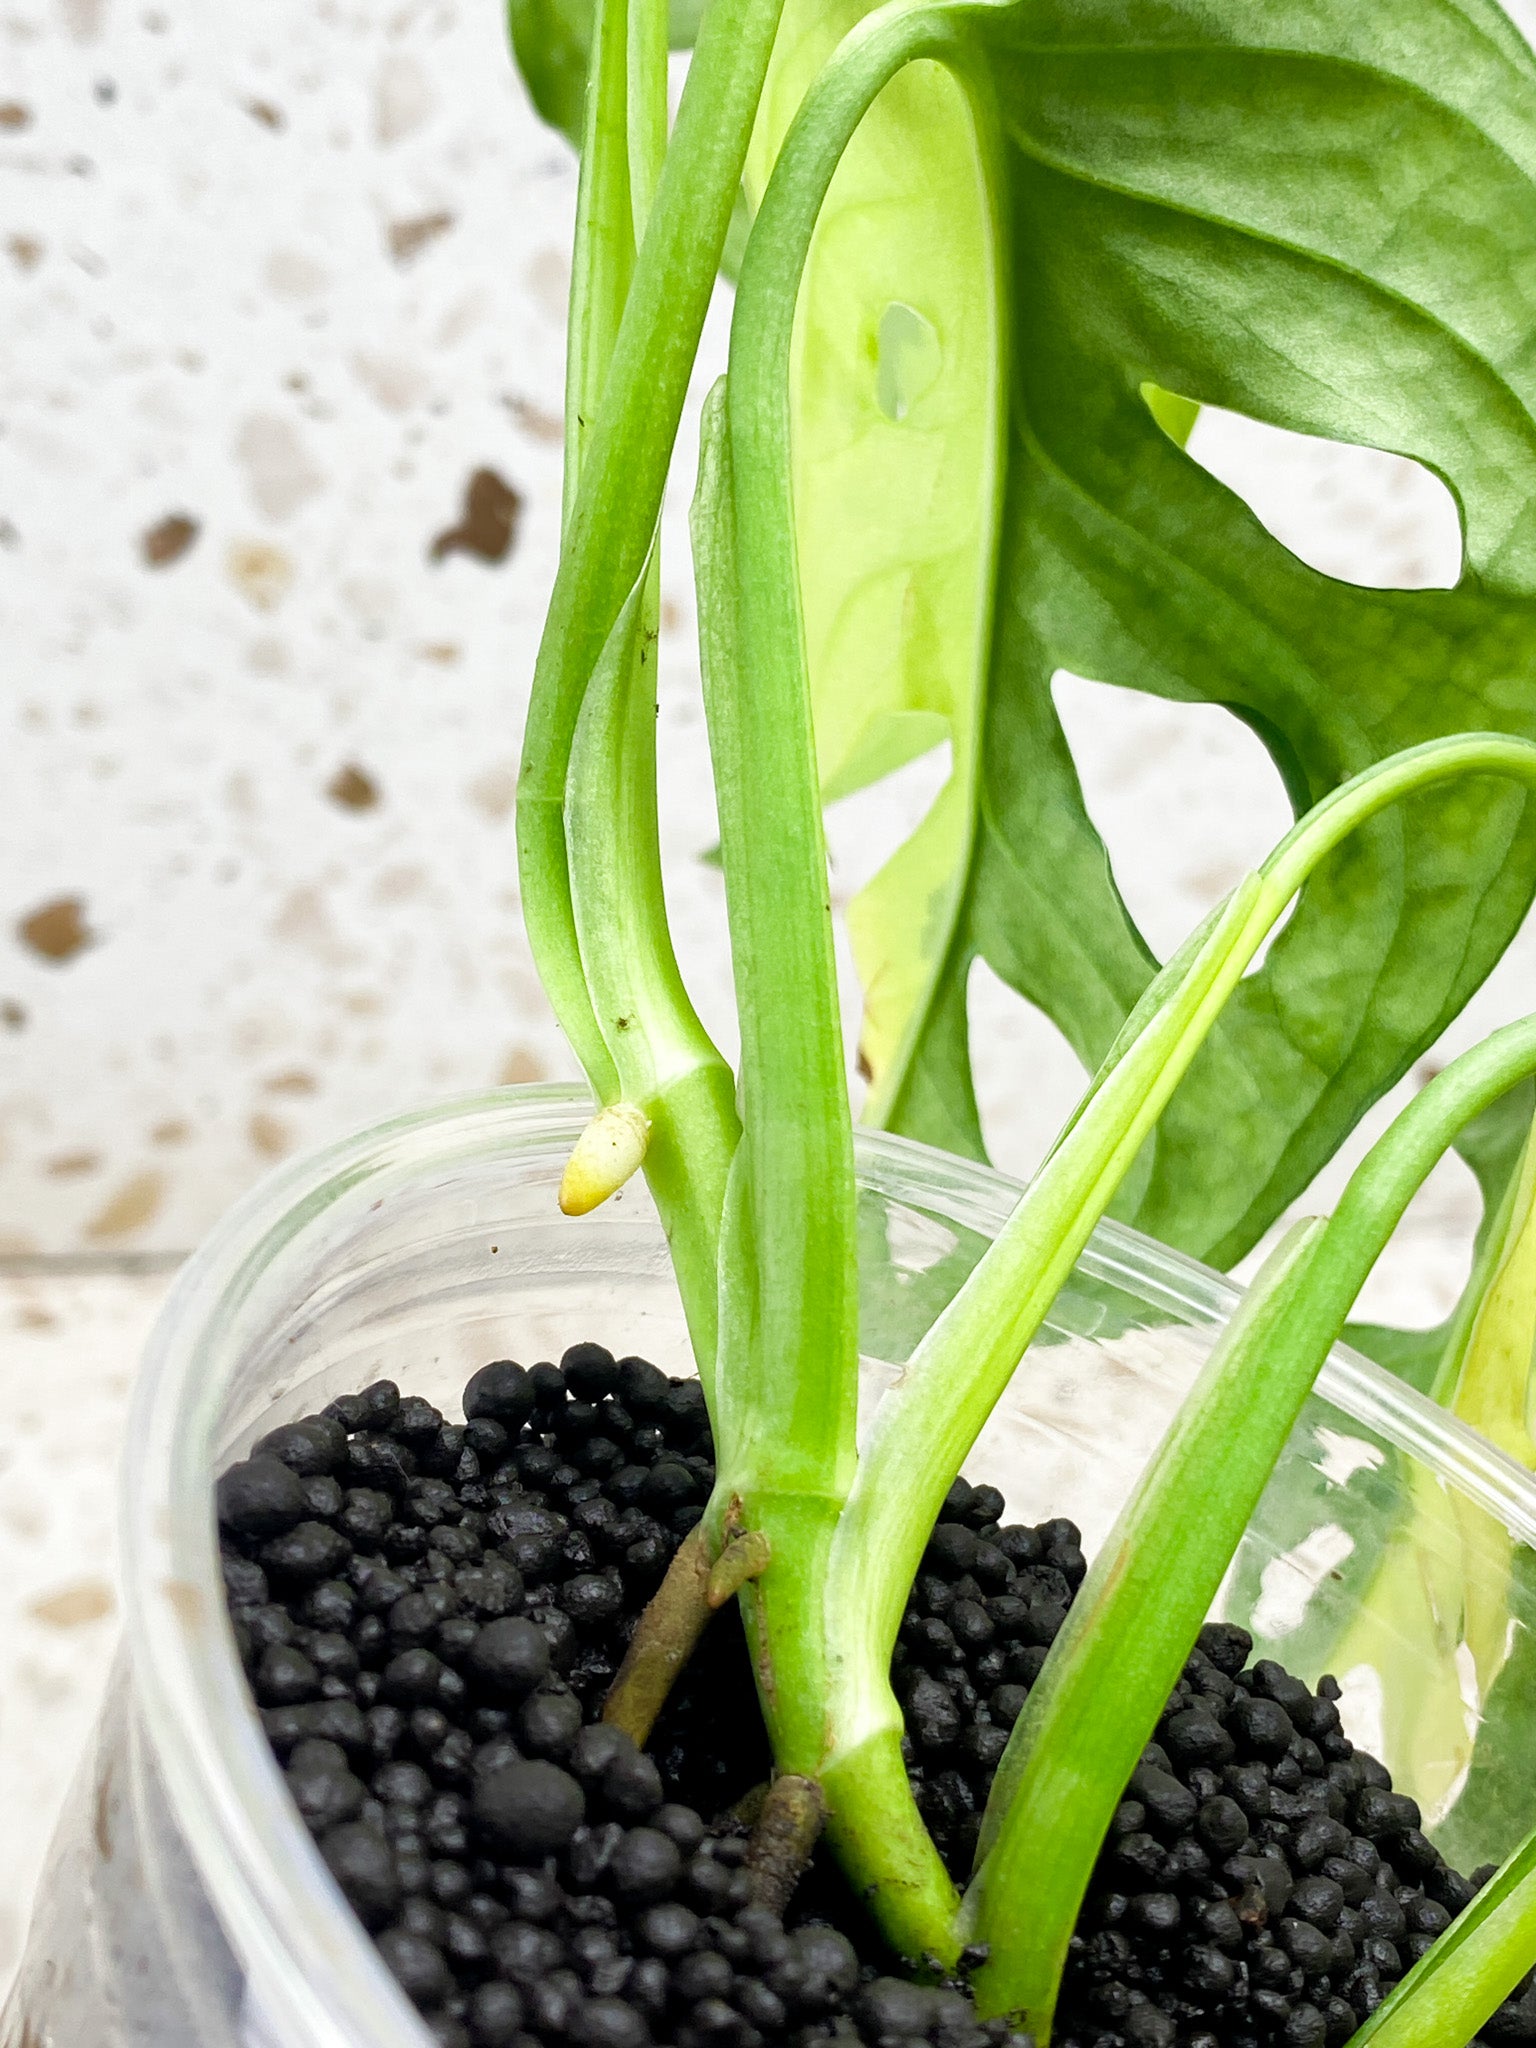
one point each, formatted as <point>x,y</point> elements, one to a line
<point>1493,1393</point>
<point>1440,1599</point>
<point>1409,1631</point>
<point>897,420</point>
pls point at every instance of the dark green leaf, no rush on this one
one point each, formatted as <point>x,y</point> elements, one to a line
<point>1324,218</point>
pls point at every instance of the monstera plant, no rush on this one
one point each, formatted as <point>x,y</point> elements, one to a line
<point>989,261</point>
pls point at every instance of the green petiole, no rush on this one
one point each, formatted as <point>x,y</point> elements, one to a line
<point>626,449</point>
<point>1446,1997</point>
<point>630,1017</point>
<point>1137,1615</point>
<point>664,1061</point>
<point>1126,1637</point>
<point>927,1424</point>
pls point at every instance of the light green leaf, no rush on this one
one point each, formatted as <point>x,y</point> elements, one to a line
<point>1319,217</point>
<point>899,362</point>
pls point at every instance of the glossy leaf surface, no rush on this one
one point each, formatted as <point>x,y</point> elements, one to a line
<point>1322,219</point>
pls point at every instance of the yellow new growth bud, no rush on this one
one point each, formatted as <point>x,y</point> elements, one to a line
<point>609,1150</point>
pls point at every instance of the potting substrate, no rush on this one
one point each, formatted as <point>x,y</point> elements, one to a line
<point>431,1613</point>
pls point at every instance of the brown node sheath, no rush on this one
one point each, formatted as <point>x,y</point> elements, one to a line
<point>663,1642</point>
<point>669,1630</point>
<point>788,1827</point>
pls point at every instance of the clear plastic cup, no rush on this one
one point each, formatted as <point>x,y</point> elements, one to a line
<point>184,1905</point>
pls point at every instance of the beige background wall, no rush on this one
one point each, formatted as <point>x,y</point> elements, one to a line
<point>276,284</point>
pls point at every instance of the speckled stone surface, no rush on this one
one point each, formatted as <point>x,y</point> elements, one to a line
<point>68,1348</point>
<point>281,283</point>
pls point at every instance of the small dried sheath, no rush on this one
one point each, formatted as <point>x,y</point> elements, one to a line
<point>745,1557</point>
<point>786,1833</point>
<point>608,1152</point>
<point>664,1641</point>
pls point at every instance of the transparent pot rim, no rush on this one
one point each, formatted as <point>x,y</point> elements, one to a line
<point>319,1982</point>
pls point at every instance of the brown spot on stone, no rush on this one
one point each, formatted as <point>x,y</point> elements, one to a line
<point>520,1065</point>
<point>269,1136</point>
<point>168,540</point>
<point>353,788</point>
<point>186,1600</point>
<point>398,885</point>
<point>494,791</point>
<point>260,572</point>
<point>12,1015</point>
<point>278,468</point>
<point>407,238</point>
<point>443,652</point>
<point>25,251</point>
<point>83,18</point>
<point>101,1814</point>
<point>304,919</point>
<point>487,526</point>
<point>56,931</point>
<point>86,1600</point>
<point>14,116</point>
<point>136,1203</point>
<point>293,1081</point>
<point>268,115</point>
<point>535,422</point>
<point>172,1132</point>
<point>67,1165</point>
<point>392,381</point>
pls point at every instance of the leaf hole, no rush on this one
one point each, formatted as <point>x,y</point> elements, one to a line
<point>863,830</point>
<point>1184,796</point>
<point>1418,1278</point>
<point>1357,514</point>
<point>1027,1078</point>
<point>908,359</point>
<point>866,827</point>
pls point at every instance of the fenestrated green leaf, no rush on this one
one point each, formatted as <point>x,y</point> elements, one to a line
<point>1324,218</point>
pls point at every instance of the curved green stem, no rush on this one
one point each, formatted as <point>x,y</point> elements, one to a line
<point>626,450</point>
<point>1126,1637</point>
<point>664,1060</point>
<point>1135,1619</point>
<point>1448,1994</point>
<point>798,1132</point>
<point>800,1323</point>
<point>788,1378</point>
<point>650,1048</point>
<point>927,1424</point>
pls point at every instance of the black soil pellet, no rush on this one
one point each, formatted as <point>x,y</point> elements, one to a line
<point>430,1614</point>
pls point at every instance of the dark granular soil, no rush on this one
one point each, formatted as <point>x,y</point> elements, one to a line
<point>430,1614</point>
